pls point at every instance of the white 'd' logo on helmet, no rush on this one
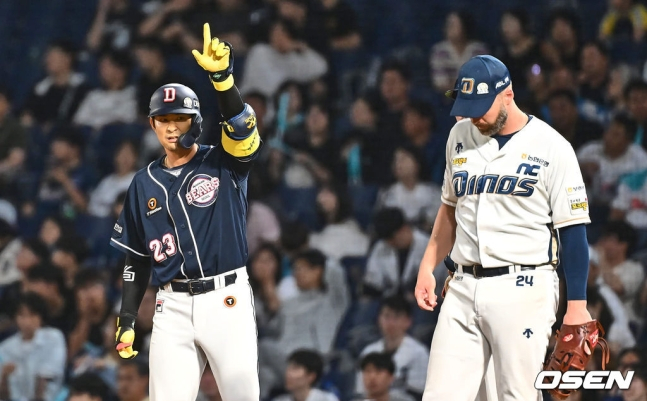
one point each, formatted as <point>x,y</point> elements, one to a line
<point>188,103</point>
<point>482,89</point>
<point>202,190</point>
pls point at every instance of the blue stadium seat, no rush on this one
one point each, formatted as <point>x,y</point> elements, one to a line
<point>355,267</point>
<point>103,144</point>
<point>363,198</point>
<point>300,204</point>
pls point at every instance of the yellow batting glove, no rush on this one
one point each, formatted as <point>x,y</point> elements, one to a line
<point>216,58</point>
<point>124,339</point>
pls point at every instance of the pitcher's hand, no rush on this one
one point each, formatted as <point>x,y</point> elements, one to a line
<point>426,290</point>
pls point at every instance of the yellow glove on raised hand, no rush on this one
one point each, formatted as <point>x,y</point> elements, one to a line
<point>124,339</point>
<point>216,58</point>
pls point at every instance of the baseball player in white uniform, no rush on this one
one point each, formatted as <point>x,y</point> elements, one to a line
<point>512,187</point>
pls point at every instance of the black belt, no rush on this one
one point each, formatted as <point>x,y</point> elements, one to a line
<point>479,271</point>
<point>195,287</point>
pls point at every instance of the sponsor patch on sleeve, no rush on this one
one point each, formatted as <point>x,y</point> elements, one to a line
<point>118,230</point>
<point>578,205</point>
<point>575,190</point>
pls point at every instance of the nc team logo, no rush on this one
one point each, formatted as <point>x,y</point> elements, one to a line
<point>202,190</point>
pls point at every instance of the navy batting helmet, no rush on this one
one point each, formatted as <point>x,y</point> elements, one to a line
<point>178,99</point>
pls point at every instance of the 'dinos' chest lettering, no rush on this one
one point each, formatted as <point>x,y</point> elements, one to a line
<point>515,185</point>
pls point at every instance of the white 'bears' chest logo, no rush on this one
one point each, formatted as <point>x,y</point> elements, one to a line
<point>202,190</point>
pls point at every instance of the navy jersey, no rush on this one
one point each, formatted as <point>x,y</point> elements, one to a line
<point>192,225</point>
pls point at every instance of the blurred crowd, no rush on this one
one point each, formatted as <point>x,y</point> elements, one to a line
<point>342,199</point>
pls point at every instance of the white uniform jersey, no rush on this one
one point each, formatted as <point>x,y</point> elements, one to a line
<point>509,201</point>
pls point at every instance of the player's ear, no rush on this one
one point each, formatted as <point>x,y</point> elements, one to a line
<point>152,122</point>
<point>508,95</point>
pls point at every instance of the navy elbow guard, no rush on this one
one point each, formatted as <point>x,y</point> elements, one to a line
<point>240,136</point>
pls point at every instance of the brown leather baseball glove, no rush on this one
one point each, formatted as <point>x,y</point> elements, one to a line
<point>573,350</point>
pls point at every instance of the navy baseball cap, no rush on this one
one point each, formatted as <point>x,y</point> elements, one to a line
<point>479,81</point>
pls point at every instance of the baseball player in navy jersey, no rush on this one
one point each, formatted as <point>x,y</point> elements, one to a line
<point>512,185</point>
<point>184,221</point>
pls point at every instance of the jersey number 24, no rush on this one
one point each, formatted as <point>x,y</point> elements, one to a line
<point>164,248</point>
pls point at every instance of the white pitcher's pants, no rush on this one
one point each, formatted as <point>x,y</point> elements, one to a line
<point>506,319</point>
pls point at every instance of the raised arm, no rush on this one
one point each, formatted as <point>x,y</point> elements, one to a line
<point>240,137</point>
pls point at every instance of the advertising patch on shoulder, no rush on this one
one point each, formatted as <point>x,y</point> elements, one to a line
<point>575,189</point>
<point>578,205</point>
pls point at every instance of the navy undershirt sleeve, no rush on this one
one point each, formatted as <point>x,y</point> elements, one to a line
<point>574,258</point>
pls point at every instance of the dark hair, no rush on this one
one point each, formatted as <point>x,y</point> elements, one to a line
<point>91,384</point>
<point>468,23</point>
<point>398,304</point>
<point>387,221</point>
<point>419,157</point>
<point>629,124</point>
<point>570,16</point>
<point>424,110</point>
<point>141,367</point>
<point>276,254</point>
<point>66,47</point>
<point>38,247</point>
<point>314,257</point>
<point>152,44</point>
<point>293,31</point>
<point>6,229</point>
<point>563,94</point>
<point>48,274</point>
<point>640,352</point>
<point>34,303</point>
<point>284,87</point>
<point>523,17</point>
<point>372,99</point>
<point>380,360</point>
<point>636,84</point>
<point>344,203</point>
<point>86,277</point>
<point>310,360</point>
<point>120,58</point>
<point>622,231</point>
<point>74,245</point>
<point>256,95</point>
<point>128,142</point>
<point>600,46</point>
<point>70,135</point>
<point>294,235</point>
<point>393,64</point>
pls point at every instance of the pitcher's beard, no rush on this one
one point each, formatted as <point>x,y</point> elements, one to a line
<point>497,126</point>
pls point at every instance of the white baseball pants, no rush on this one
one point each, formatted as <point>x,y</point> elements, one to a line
<point>189,331</point>
<point>507,318</point>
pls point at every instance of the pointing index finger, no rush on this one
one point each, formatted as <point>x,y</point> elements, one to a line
<point>207,38</point>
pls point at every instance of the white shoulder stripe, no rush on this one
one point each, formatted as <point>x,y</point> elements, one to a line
<point>130,249</point>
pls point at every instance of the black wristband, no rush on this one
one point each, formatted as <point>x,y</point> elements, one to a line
<point>127,320</point>
<point>220,76</point>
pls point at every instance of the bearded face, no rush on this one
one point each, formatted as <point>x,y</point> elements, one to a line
<point>488,128</point>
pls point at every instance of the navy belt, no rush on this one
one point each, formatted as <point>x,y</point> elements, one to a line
<point>479,271</point>
<point>195,287</point>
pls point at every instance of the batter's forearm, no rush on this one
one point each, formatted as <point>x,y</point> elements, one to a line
<point>231,104</point>
<point>137,273</point>
<point>442,237</point>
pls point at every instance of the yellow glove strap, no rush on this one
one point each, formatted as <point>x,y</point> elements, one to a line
<point>224,85</point>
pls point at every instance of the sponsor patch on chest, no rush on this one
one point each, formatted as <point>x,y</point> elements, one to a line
<point>202,190</point>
